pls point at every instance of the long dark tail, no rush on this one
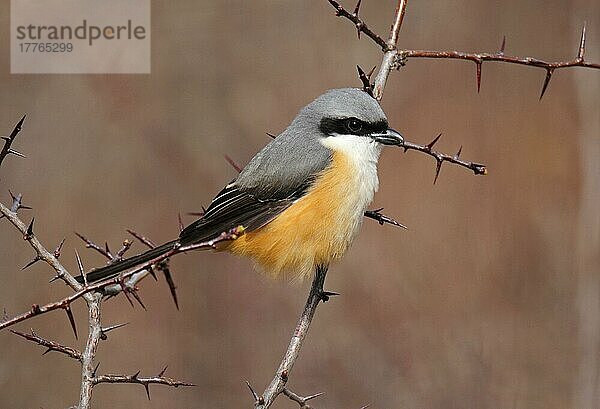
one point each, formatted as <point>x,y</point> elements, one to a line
<point>114,269</point>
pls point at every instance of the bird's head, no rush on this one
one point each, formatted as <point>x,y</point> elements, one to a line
<point>349,113</point>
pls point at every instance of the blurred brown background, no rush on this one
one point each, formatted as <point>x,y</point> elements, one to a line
<point>491,299</point>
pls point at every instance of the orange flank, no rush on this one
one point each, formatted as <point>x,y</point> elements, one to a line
<point>316,229</point>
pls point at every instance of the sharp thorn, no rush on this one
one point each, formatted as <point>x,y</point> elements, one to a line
<point>357,8</point>
<point>46,351</point>
<point>181,226</point>
<point>138,299</point>
<point>83,238</point>
<point>364,78</point>
<point>361,73</point>
<point>161,373</point>
<point>172,286</point>
<point>430,145</point>
<point>32,262</point>
<point>58,248</point>
<point>581,52</point>
<point>478,64</point>
<point>79,263</point>
<point>20,124</point>
<point>370,73</point>
<point>326,295</point>
<point>549,73</point>
<point>125,292</point>
<point>503,46</point>
<point>233,164</point>
<point>71,319</point>
<point>147,387</point>
<point>438,168</point>
<point>135,375</point>
<point>254,394</point>
<point>16,153</point>
<point>113,327</point>
<point>270,135</point>
<point>81,269</point>
<point>29,233</point>
<point>25,207</point>
<point>458,153</point>
<point>96,369</point>
<point>12,195</point>
<point>314,396</point>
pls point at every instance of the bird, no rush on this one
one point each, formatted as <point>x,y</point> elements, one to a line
<point>301,199</point>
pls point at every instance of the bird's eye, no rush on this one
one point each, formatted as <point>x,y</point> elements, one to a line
<point>354,125</point>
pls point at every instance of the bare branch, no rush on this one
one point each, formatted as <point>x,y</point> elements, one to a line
<point>476,168</point>
<point>382,218</point>
<point>41,252</point>
<point>160,379</point>
<point>398,19</point>
<point>105,251</point>
<point>115,282</point>
<point>142,239</point>
<point>280,379</point>
<point>480,58</point>
<point>50,345</point>
<point>361,26</point>
<point>302,401</point>
<point>88,371</point>
<point>394,58</point>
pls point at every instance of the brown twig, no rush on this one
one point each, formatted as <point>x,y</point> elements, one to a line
<point>159,379</point>
<point>361,26</point>
<point>394,58</point>
<point>50,345</point>
<point>382,218</point>
<point>302,401</point>
<point>280,379</point>
<point>116,281</point>
<point>88,370</point>
<point>41,252</point>
<point>440,158</point>
<point>105,251</point>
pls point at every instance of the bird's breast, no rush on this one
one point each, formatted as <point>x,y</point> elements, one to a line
<point>320,226</point>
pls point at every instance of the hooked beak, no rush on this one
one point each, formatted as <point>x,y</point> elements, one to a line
<point>389,137</point>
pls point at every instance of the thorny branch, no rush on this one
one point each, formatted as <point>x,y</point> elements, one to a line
<point>395,58</point>
<point>282,374</point>
<point>93,295</point>
<point>159,379</point>
<point>302,401</point>
<point>116,281</point>
<point>50,345</point>
<point>440,158</point>
<point>8,140</point>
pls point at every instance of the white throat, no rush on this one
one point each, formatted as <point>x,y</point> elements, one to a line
<point>364,153</point>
